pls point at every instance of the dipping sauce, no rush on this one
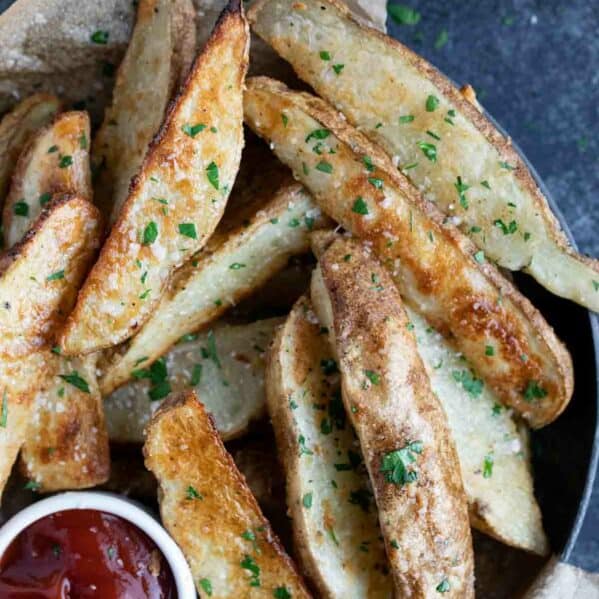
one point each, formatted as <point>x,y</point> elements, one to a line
<point>76,554</point>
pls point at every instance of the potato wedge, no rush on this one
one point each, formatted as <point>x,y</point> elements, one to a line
<point>225,366</point>
<point>492,447</point>
<point>402,429</point>
<point>209,510</point>
<point>17,126</point>
<point>39,279</point>
<point>143,87</point>
<point>329,498</point>
<point>177,199</point>
<point>67,445</point>
<point>224,273</point>
<point>438,270</point>
<point>442,142</point>
<point>56,160</point>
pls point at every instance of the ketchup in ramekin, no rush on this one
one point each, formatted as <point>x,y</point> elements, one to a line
<point>84,553</point>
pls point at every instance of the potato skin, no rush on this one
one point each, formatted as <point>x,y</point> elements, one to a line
<point>388,398</point>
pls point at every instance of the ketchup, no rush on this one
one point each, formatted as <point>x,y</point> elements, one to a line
<point>76,554</point>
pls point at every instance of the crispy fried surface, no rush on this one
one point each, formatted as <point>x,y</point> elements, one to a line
<point>16,127</point>
<point>381,81</point>
<point>439,271</point>
<point>225,367</point>
<point>56,160</point>
<point>230,268</point>
<point>39,278</point>
<point>143,87</point>
<point>209,510</point>
<point>66,446</point>
<point>176,201</point>
<point>387,395</point>
<point>329,498</point>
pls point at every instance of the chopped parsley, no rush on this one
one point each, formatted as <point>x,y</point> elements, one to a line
<point>212,174</point>
<point>472,385</point>
<point>32,485</point>
<point>281,593</point>
<point>488,466</point>
<point>318,134</point>
<point>373,376</point>
<point>83,141</point>
<point>378,183</point>
<point>45,198</point>
<point>285,119</point>
<point>403,15</point>
<point>206,586</point>
<point>396,464</point>
<point>150,233</point>
<point>99,37</point>
<point>324,167</point>
<point>21,208</point>
<point>302,445</point>
<point>360,206</point>
<point>407,118</point>
<point>307,500</point>
<point>196,375</point>
<point>55,276</point>
<point>192,493</point>
<point>188,230</point>
<point>433,135</point>
<point>4,410</point>
<point>65,161</point>
<point>432,103</point>
<point>192,130</point>
<point>479,256</point>
<point>443,586</point>
<point>429,150</point>
<point>338,68</point>
<point>237,266</point>
<point>368,163</point>
<point>324,55</point>
<point>248,563</point>
<point>485,184</point>
<point>534,391</point>
<point>76,380</point>
<point>489,350</point>
<point>211,352</point>
<point>462,188</point>
<point>508,229</point>
<point>507,166</point>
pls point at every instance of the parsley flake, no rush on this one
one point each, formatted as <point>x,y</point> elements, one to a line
<point>212,174</point>
<point>432,103</point>
<point>188,229</point>
<point>360,206</point>
<point>396,464</point>
<point>192,130</point>
<point>76,380</point>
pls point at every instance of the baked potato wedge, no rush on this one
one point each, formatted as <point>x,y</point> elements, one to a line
<point>439,139</point>
<point>493,448</point>
<point>209,510</point>
<point>17,126</point>
<point>67,445</point>
<point>230,268</point>
<point>39,278</point>
<point>402,428</point>
<point>177,199</point>
<point>144,84</point>
<point>439,271</point>
<point>329,498</point>
<point>56,160</point>
<point>225,366</point>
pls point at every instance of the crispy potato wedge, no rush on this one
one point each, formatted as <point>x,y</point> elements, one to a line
<point>176,201</point>
<point>17,126</point>
<point>492,447</point>
<point>402,429</point>
<point>228,270</point>
<point>225,366</point>
<point>330,501</point>
<point>209,510</point>
<point>67,444</point>
<point>56,160</point>
<point>438,270</point>
<point>466,167</point>
<point>39,278</point>
<point>143,87</point>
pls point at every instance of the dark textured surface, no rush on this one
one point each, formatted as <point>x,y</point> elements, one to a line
<point>534,65</point>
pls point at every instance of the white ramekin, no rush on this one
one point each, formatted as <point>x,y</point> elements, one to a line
<point>111,504</point>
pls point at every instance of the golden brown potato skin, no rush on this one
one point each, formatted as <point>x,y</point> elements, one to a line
<point>210,511</point>
<point>176,201</point>
<point>388,398</point>
<point>17,126</point>
<point>383,88</point>
<point>33,303</point>
<point>439,271</point>
<point>56,160</point>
